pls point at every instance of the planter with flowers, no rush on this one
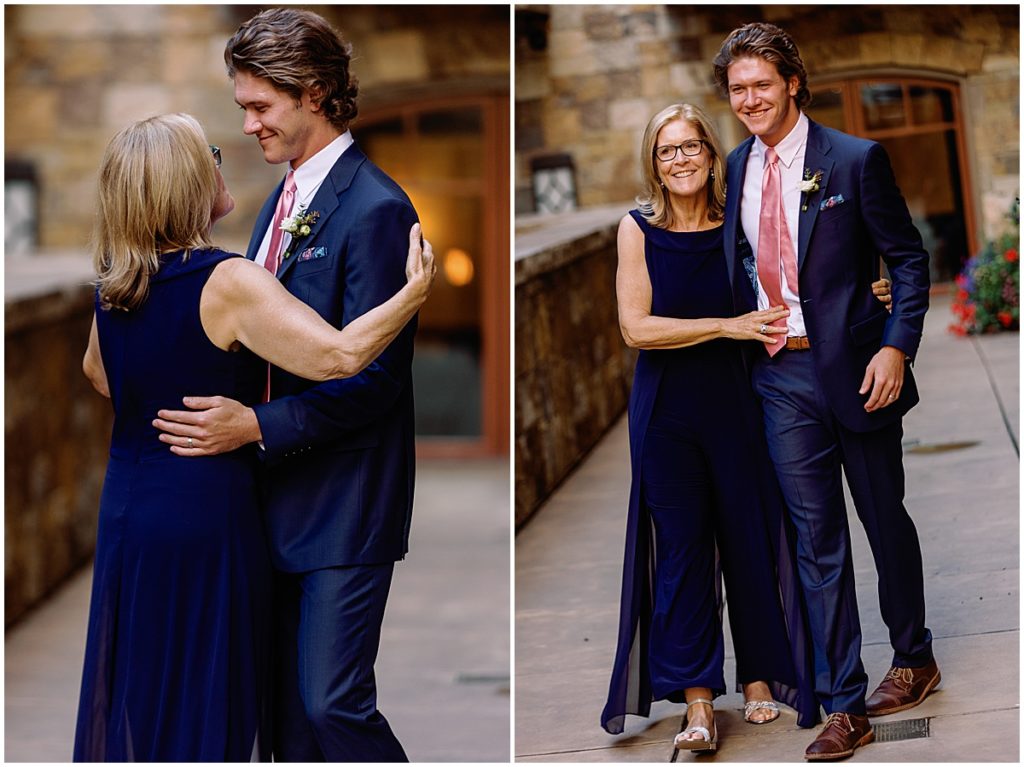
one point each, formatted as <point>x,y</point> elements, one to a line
<point>987,295</point>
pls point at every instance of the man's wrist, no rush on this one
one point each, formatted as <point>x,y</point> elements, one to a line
<point>896,350</point>
<point>254,432</point>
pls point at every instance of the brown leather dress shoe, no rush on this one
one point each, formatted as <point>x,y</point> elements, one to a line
<point>841,735</point>
<point>903,688</point>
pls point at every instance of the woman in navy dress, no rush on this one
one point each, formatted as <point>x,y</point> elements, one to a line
<point>177,649</point>
<point>703,492</point>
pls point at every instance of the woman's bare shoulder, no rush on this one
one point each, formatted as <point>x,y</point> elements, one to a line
<point>233,274</point>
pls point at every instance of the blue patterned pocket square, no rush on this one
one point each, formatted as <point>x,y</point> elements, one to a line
<point>311,253</point>
<point>750,267</point>
<point>831,202</point>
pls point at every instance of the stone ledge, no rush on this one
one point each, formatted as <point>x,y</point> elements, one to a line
<point>56,428</point>
<point>572,370</point>
<point>545,242</point>
<point>43,289</point>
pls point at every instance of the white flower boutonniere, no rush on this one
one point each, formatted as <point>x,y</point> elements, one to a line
<point>298,226</point>
<point>810,185</point>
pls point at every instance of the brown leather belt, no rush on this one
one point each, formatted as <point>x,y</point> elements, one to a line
<point>798,343</point>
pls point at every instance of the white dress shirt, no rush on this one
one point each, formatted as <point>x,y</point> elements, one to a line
<point>791,152</point>
<point>308,178</point>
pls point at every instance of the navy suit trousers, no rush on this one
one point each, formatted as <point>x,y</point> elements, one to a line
<point>811,450</point>
<point>328,634</point>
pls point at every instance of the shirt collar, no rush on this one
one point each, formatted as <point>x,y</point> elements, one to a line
<point>789,147</point>
<point>311,174</point>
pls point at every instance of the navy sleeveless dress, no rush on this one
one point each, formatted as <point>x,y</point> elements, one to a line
<point>704,497</point>
<point>177,650</point>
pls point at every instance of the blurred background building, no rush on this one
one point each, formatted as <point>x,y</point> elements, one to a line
<point>433,113</point>
<point>937,86</point>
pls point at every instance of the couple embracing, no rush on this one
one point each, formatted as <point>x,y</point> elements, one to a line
<point>738,449</point>
<point>246,543</point>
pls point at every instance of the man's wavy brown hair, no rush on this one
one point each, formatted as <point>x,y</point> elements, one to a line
<point>768,42</point>
<point>298,52</point>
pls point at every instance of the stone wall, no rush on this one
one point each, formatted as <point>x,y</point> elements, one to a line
<point>572,368</point>
<point>75,75</point>
<point>56,435</point>
<point>589,78</point>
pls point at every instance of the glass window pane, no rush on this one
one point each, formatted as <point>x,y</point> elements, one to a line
<point>827,108</point>
<point>883,105</point>
<point>933,196</point>
<point>446,367</point>
<point>387,144</point>
<point>930,105</point>
<point>437,156</point>
<point>467,120</point>
<point>450,143</point>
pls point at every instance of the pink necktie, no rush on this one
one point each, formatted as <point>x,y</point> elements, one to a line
<point>284,209</point>
<point>775,250</point>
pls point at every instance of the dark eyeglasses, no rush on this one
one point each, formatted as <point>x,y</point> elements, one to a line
<point>216,154</point>
<point>668,152</point>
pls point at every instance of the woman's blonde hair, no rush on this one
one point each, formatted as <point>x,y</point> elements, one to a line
<point>653,200</point>
<point>157,188</point>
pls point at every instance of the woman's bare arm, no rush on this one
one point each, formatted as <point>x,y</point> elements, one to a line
<point>642,330</point>
<point>92,363</point>
<point>243,302</point>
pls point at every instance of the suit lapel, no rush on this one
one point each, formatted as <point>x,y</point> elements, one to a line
<point>736,171</point>
<point>815,159</point>
<point>262,222</point>
<point>326,201</point>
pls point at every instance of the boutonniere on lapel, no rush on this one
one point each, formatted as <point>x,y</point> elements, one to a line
<point>810,185</point>
<point>298,226</point>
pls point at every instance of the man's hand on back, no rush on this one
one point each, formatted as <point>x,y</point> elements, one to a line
<point>211,426</point>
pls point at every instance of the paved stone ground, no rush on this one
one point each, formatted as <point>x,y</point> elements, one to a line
<point>443,667</point>
<point>965,503</point>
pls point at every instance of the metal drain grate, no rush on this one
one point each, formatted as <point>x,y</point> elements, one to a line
<point>886,732</point>
<point>908,729</point>
<point>499,681</point>
<point>913,446</point>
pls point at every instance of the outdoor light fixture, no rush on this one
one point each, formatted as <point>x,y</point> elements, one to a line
<point>458,267</point>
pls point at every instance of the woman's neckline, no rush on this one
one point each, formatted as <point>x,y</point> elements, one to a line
<point>718,225</point>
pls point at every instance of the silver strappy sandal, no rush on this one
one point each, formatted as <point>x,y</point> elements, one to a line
<point>709,742</point>
<point>753,705</point>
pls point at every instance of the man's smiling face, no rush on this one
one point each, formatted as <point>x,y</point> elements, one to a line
<point>283,127</point>
<point>761,99</point>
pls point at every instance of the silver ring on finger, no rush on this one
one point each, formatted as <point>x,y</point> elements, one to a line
<point>764,328</point>
<point>892,396</point>
<point>191,445</point>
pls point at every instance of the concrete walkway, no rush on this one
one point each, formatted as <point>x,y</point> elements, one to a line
<point>962,491</point>
<point>442,673</point>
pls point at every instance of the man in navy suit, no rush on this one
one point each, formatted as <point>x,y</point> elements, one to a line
<point>809,211</point>
<point>338,456</point>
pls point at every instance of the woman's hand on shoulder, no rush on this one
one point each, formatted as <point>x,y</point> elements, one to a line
<point>420,267</point>
<point>748,327</point>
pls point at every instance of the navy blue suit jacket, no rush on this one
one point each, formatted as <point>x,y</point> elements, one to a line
<point>340,455</point>
<point>838,246</point>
